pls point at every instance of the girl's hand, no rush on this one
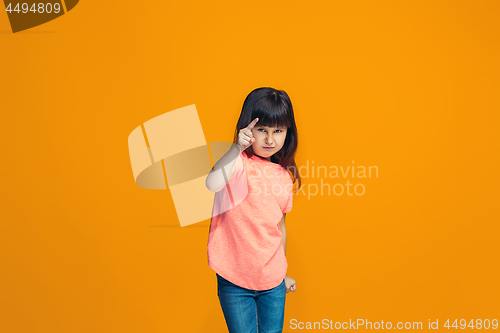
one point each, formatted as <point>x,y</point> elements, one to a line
<point>245,136</point>
<point>290,284</point>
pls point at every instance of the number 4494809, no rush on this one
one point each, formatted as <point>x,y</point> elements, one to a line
<point>35,8</point>
<point>477,324</point>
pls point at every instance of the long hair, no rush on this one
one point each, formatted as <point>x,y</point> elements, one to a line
<point>274,109</point>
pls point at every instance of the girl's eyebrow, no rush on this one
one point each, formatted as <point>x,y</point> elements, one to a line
<point>259,126</point>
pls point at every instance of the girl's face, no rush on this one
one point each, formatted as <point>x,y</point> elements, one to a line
<point>273,137</point>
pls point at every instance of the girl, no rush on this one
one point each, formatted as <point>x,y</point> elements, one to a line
<point>253,182</point>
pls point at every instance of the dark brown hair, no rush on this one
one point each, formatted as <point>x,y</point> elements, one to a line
<point>274,109</point>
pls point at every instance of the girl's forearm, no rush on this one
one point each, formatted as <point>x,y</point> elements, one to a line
<point>223,170</point>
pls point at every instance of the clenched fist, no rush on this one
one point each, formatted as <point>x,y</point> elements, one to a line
<point>245,136</point>
<point>290,284</point>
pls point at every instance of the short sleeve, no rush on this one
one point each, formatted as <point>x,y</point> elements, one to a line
<point>290,200</point>
<point>237,185</point>
<point>239,169</point>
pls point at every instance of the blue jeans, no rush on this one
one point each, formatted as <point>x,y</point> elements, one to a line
<point>252,311</point>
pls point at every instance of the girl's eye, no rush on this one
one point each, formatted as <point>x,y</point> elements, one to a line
<point>279,131</point>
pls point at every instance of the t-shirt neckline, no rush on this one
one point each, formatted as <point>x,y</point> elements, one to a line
<point>259,158</point>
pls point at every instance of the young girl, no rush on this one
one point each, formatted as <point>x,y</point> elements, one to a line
<point>254,182</point>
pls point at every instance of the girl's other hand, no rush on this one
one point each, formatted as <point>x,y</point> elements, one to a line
<point>290,284</point>
<point>245,136</point>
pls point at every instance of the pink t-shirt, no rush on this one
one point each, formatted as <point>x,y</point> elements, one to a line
<point>244,242</point>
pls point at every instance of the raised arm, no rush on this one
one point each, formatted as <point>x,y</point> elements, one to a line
<point>224,169</point>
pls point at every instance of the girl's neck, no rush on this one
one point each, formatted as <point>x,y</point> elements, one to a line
<point>264,158</point>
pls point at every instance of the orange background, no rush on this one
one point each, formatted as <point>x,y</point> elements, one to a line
<point>411,87</point>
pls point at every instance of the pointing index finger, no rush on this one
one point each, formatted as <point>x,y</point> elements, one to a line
<point>252,124</point>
